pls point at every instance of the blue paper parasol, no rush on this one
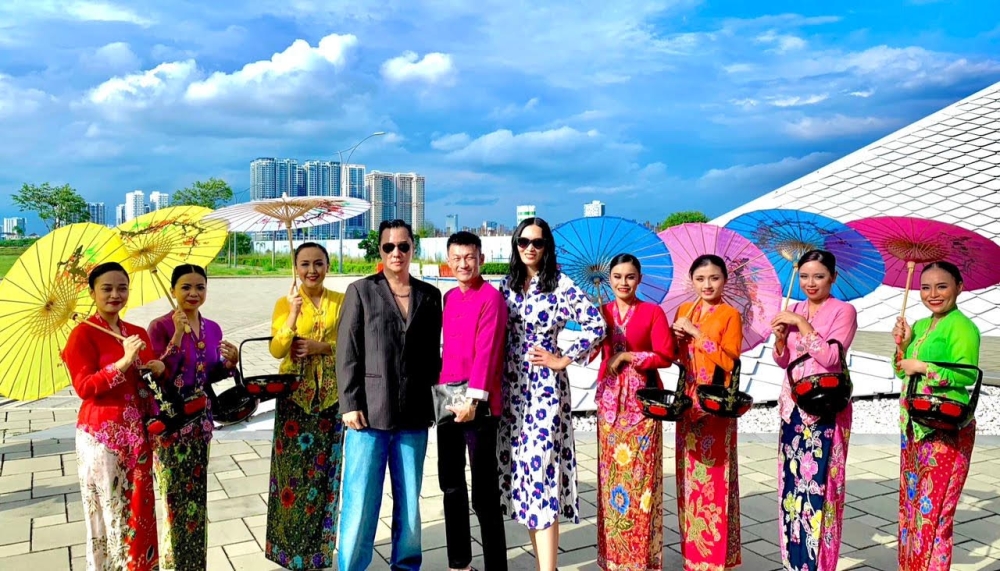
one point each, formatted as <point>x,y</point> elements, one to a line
<point>784,235</point>
<point>585,246</point>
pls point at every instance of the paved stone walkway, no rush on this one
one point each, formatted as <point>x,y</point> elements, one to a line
<point>41,524</point>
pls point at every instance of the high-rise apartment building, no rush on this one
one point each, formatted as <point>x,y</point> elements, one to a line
<point>11,226</point>
<point>451,223</point>
<point>410,199</point>
<point>119,215</point>
<point>135,204</point>
<point>593,209</point>
<point>381,187</point>
<point>354,183</point>
<point>98,213</point>
<point>263,179</point>
<point>158,200</point>
<point>525,211</point>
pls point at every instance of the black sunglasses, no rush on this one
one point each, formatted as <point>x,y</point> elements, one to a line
<point>523,243</point>
<point>388,247</point>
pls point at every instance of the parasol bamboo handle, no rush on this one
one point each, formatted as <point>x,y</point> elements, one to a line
<point>291,252</point>
<point>910,266</point>
<point>158,281</point>
<point>788,296</point>
<point>79,319</point>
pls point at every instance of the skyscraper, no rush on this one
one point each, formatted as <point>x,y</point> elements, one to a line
<point>263,179</point>
<point>158,200</point>
<point>355,183</point>
<point>451,223</point>
<point>287,177</point>
<point>381,187</point>
<point>119,215</point>
<point>135,204</point>
<point>98,213</point>
<point>410,199</point>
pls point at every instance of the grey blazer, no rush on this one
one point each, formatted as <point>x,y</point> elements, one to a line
<point>386,365</point>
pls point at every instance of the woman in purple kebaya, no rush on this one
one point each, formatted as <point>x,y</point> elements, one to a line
<point>193,351</point>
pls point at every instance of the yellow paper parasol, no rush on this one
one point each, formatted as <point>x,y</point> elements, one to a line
<point>160,241</point>
<point>43,295</point>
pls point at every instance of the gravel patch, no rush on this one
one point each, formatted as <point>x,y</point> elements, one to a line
<point>879,416</point>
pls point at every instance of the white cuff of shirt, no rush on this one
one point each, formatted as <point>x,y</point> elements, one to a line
<point>477,394</point>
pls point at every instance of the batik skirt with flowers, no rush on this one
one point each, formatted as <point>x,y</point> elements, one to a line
<point>931,477</point>
<point>629,494</point>
<point>708,491</point>
<point>303,505</point>
<point>180,463</point>
<point>812,462</point>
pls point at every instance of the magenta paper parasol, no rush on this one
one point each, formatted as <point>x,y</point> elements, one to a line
<point>753,287</point>
<point>907,244</point>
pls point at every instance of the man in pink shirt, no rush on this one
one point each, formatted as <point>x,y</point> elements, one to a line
<point>475,328</point>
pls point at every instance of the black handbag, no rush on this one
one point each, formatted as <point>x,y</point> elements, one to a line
<point>720,400</point>
<point>940,412</point>
<point>444,395</point>
<point>824,394</point>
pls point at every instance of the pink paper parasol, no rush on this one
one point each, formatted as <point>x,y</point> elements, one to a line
<point>908,243</point>
<point>753,287</point>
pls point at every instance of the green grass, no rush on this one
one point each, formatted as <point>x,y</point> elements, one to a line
<point>6,262</point>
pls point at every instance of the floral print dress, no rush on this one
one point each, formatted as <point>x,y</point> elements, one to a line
<point>536,449</point>
<point>934,464</point>
<point>812,451</point>
<point>180,460</point>
<point>629,445</point>
<point>708,484</point>
<point>307,449</point>
<point>114,458</point>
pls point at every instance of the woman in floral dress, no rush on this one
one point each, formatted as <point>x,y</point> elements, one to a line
<point>307,449</point>
<point>812,451</point>
<point>113,454</point>
<point>708,485</point>
<point>537,460</point>
<point>934,463</point>
<point>630,446</point>
<point>194,354</point>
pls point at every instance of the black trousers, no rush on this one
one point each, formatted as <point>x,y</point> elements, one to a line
<point>480,436</point>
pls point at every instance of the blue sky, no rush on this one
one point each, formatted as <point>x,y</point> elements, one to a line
<point>650,106</point>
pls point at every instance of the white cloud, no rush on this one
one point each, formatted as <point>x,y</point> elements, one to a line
<point>783,42</point>
<point>451,142</point>
<point>746,103</point>
<point>82,10</point>
<point>797,101</point>
<point>835,126</point>
<point>116,56</point>
<point>299,58</point>
<point>16,101</point>
<point>763,172</point>
<point>503,146</point>
<point>863,93</point>
<point>165,81</point>
<point>434,67</point>
<point>513,109</point>
<point>739,68</point>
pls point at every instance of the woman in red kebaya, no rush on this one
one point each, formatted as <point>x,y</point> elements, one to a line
<point>114,458</point>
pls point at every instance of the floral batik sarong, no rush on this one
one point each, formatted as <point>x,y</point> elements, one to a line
<point>812,461</point>
<point>630,493</point>
<point>181,468</point>
<point>303,505</point>
<point>116,489</point>
<point>931,477</point>
<point>708,491</point>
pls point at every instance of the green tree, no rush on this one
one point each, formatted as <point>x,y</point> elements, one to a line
<point>370,245</point>
<point>684,217</point>
<point>212,193</point>
<point>428,231</point>
<point>56,206</point>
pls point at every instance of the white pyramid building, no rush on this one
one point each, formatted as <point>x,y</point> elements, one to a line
<point>945,167</point>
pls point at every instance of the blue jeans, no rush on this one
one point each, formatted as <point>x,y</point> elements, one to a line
<point>366,454</point>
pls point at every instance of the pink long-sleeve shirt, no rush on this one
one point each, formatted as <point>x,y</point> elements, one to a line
<point>475,330</point>
<point>835,319</point>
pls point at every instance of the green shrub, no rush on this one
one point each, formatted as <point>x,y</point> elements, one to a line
<point>494,268</point>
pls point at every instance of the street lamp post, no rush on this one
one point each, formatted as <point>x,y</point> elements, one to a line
<point>346,189</point>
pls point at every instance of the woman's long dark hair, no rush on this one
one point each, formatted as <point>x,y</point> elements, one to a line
<point>548,271</point>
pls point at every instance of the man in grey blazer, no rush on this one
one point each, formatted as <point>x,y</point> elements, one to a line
<point>388,358</point>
